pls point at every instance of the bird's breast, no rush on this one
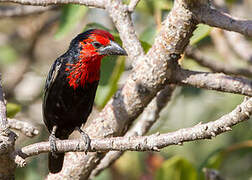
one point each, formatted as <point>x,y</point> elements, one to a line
<point>83,72</point>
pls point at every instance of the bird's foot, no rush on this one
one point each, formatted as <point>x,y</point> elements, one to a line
<point>52,140</point>
<point>86,138</point>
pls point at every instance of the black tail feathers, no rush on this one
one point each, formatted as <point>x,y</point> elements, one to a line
<point>55,163</point>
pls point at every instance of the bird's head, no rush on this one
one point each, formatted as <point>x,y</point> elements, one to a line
<point>97,42</point>
<point>90,47</point>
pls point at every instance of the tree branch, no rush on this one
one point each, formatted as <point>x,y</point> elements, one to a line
<point>149,143</point>
<point>24,127</point>
<point>93,3</point>
<point>142,126</point>
<point>216,66</point>
<point>221,45</point>
<point>7,140</point>
<point>122,20</point>
<point>238,42</point>
<point>3,118</point>
<point>207,15</point>
<point>12,11</point>
<point>212,81</point>
<point>132,5</point>
<point>240,45</point>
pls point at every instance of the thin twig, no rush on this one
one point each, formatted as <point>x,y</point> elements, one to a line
<point>216,66</point>
<point>221,45</point>
<point>240,45</point>
<point>238,42</point>
<point>24,127</point>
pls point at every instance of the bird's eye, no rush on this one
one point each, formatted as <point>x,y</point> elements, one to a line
<point>96,44</point>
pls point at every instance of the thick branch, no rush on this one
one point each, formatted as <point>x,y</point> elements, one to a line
<point>94,3</point>
<point>207,15</point>
<point>153,142</point>
<point>212,81</point>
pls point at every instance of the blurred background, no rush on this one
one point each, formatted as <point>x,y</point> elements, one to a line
<point>30,42</point>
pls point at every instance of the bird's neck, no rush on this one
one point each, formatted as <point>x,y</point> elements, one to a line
<point>86,70</point>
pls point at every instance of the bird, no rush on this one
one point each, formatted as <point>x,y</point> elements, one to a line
<point>71,86</point>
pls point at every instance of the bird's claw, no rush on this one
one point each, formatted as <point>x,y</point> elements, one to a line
<point>52,141</point>
<point>87,140</point>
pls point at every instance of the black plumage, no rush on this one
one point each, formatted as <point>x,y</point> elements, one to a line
<point>71,86</point>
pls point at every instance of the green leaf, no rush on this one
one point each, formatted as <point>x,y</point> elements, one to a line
<point>176,168</point>
<point>12,109</point>
<point>71,14</point>
<point>200,33</point>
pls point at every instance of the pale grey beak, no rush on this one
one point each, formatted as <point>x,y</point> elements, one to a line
<point>112,49</point>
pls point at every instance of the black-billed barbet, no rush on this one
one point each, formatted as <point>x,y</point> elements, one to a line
<point>71,86</point>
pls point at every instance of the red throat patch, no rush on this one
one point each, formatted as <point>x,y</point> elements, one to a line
<point>87,69</point>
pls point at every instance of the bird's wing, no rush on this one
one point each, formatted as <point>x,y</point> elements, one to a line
<point>53,72</point>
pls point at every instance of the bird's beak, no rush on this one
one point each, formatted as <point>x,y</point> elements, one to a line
<point>113,49</point>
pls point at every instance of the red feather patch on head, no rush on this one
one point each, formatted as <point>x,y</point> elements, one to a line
<point>103,33</point>
<point>101,36</point>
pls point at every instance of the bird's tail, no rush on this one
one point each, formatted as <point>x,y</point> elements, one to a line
<point>55,163</point>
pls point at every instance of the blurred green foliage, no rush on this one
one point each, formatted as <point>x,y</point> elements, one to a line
<point>71,15</point>
<point>200,33</point>
<point>176,168</point>
<point>105,92</point>
<point>12,109</point>
<point>8,55</point>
